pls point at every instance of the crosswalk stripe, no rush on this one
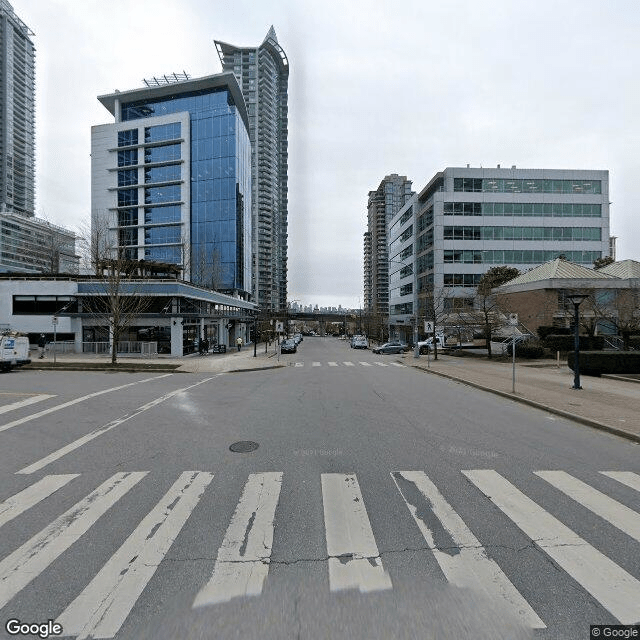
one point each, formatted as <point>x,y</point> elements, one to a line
<point>26,402</point>
<point>468,566</point>
<point>365,364</point>
<point>332,364</point>
<point>628,478</point>
<point>15,505</point>
<point>397,364</point>
<point>298,364</point>
<point>611,510</point>
<point>348,364</point>
<point>243,559</point>
<point>354,559</point>
<point>101,609</point>
<point>33,557</point>
<point>612,586</point>
<point>316,364</point>
<point>381,364</point>
<point>76,444</point>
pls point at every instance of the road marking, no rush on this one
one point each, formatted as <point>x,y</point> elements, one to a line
<point>332,364</point>
<point>615,589</point>
<point>628,478</point>
<point>243,559</point>
<point>611,510</point>
<point>76,444</point>
<point>34,556</point>
<point>101,609</point>
<point>15,505</point>
<point>25,403</point>
<point>381,364</point>
<point>298,364</point>
<point>348,364</point>
<point>316,364</point>
<point>397,364</point>
<point>64,405</point>
<point>365,364</point>
<point>461,557</point>
<point>354,559</point>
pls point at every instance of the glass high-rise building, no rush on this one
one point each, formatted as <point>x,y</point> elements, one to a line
<point>263,75</point>
<point>171,178</point>
<point>17,106</point>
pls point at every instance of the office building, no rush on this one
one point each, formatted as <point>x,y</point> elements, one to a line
<point>263,75</point>
<point>171,178</point>
<point>467,220</point>
<point>390,196</point>
<point>17,107</point>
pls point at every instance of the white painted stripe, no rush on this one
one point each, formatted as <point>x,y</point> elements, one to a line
<point>76,444</point>
<point>365,364</point>
<point>354,559</point>
<point>381,364</point>
<point>101,609</point>
<point>615,589</point>
<point>15,505</point>
<point>242,564</point>
<point>332,364</point>
<point>397,364</point>
<point>628,478</point>
<point>611,510</point>
<point>468,566</point>
<point>35,555</point>
<point>298,364</point>
<point>70,403</point>
<point>348,364</point>
<point>316,364</point>
<point>26,402</point>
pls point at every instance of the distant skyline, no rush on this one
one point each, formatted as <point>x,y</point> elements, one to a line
<point>374,90</point>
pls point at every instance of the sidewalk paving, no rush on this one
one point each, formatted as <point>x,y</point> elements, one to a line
<point>611,403</point>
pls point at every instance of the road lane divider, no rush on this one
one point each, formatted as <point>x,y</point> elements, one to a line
<point>76,444</point>
<point>242,564</point>
<point>103,606</point>
<point>18,569</point>
<point>70,403</point>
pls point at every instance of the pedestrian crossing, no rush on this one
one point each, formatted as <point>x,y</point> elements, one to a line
<point>353,559</point>
<point>348,363</point>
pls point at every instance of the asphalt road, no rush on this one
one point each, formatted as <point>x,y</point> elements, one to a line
<point>381,502</point>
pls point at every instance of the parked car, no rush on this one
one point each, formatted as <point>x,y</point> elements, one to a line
<point>288,346</point>
<point>391,347</point>
<point>359,342</point>
<point>427,345</point>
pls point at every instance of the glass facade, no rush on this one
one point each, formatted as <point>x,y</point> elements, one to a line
<point>522,233</point>
<point>544,209</point>
<point>220,188</point>
<point>508,185</point>
<point>525,256</point>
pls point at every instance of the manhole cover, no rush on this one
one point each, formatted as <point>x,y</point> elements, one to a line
<point>244,446</point>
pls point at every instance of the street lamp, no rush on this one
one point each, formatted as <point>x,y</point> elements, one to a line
<point>576,299</point>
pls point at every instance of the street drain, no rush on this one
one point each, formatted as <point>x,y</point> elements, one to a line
<point>244,446</point>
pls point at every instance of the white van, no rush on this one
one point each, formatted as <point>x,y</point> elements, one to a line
<point>427,345</point>
<point>14,352</point>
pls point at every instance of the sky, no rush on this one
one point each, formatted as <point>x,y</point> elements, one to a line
<point>375,87</point>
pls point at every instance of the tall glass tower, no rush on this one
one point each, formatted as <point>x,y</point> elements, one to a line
<point>17,106</point>
<point>263,75</point>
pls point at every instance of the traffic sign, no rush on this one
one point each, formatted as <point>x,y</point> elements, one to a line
<point>428,326</point>
<point>513,319</point>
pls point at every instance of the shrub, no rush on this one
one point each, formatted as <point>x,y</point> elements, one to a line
<point>529,350</point>
<point>566,343</point>
<point>634,342</point>
<point>544,331</point>
<point>595,363</point>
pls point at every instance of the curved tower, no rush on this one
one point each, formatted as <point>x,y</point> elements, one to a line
<point>263,75</point>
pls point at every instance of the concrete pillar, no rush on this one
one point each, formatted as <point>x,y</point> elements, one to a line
<point>176,337</point>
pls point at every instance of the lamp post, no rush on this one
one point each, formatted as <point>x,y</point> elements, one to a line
<point>576,299</point>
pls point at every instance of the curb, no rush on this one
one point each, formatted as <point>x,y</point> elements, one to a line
<point>80,367</point>
<point>634,437</point>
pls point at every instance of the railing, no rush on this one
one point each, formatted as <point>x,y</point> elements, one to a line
<point>62,346</point>
<point>124,348</point>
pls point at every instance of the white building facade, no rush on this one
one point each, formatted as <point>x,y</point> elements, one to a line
<point>467,220</point>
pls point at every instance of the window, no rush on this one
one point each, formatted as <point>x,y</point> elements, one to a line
<point>127,197</point>
<point>162,132</point>
<point>498,185</point>
<point>127,177</point>
<point>155,195</point>
<point>165,153</point>
<point>168,173</point>
<point>127,158</point>
<point>127,217</point>
<point>127,138</point>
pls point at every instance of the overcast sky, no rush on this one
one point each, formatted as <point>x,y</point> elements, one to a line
<point>376,87</point>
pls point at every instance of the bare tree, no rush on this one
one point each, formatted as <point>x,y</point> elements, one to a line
<point>207,269</point>
<point>620,308</point>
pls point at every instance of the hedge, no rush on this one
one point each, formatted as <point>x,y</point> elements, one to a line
<point>546,330</point>
<point>526,350</point>
<point>566,343</point>
<point>595,363</point>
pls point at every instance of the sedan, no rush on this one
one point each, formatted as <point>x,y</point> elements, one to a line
<point>390,347</point>
<point>288,346</point>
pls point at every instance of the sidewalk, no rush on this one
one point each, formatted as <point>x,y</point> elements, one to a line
<point>232,360</point>
<point>609,403</point>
